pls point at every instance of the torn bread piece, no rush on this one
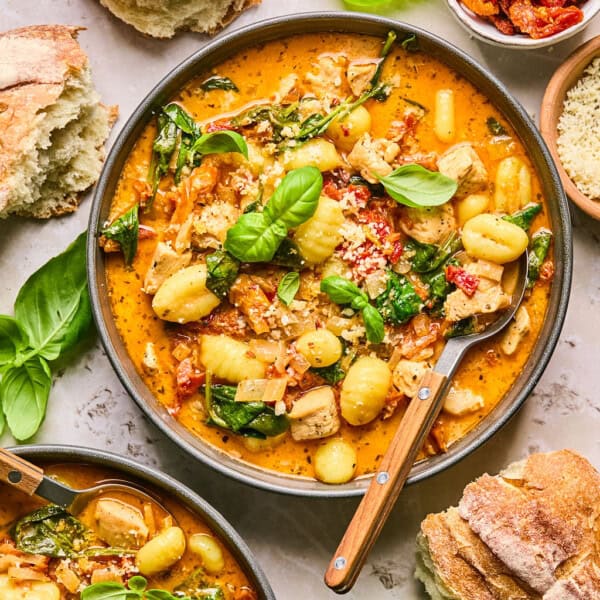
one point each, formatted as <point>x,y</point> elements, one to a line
<point>528,533</point>
<point>52,124</point>
<point>163,18</point>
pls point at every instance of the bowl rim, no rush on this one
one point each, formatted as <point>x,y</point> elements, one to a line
<point>275,28</point>
<point>213,518</point>
<point>563,79</point>
<point>485,32</point>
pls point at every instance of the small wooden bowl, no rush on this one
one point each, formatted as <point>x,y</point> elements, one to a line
<point>564,79</point>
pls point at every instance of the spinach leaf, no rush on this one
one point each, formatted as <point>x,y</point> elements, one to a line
<point>11,340</point>
<point>219,142</point>
<point>376,189</point>
<point>162,149</point>
<point>429,257</point>
<point>331,374</point>
<point>24,391</point>
<point>218,83</point>
<point>385,50</point>
<point>462,327</point>
<point>251,419</point>
<point>196,586</point>
<point>125,230</point>
<point>288,255</point>
<point>50,531</point>
<point>399,302</point>
<point>495,127</point>
<point>222,271</point>
<point>538,251</point>
<point>53,306</point>
<point>288,287</point>
<point>439,287</point>
<point>257,236</point>
<point>524,217</point>
<point>410,42</point>
<point>343,291</point>
<point>181,119</point>
<point>417,187</point>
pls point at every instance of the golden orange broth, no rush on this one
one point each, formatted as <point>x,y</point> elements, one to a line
<point>257,72</point>
<point>15,504</point>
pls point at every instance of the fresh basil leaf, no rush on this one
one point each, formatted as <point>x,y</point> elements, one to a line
<point>50,531</point>
<point>53,306</point>
<point>181,119</point>
<point>296,199</point>
<point>109,590</point>
<point>538,250</point>
<point>137,583</point>
<point>340,290</point>
<point>125,230</point>
<point>288,287</point>
<point>373,324</point>
<point>495,127</point>
<point>524,217</point>
<point>220,142</point>
<point>222,271</point>
<point>218,83</point>
<point>288,255</point>
<point>417,187</point>
<point>399,302</point>
<point>11,340</point>
<point>24,394</point>
<point>254,239</point>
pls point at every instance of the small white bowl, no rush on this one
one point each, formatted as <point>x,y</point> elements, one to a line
<point>486,32</point>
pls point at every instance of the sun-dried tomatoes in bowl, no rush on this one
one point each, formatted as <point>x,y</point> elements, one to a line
<point>524,23</point>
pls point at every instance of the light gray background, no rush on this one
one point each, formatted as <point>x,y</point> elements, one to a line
<point>293,538</point>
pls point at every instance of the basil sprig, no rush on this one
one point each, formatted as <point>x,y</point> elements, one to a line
<point>343,291</point>
<point>125,230</point>
<point>418,187</point>
<point>257,235</point>
<point>52,314</point>
<point>135,590</point>
<point>288,287</point>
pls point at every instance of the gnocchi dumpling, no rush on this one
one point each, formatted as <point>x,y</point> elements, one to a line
<point>470,206</point>
<point>335,461</point>
<point>184,297</point>
<point>161,552</point>
<point>28,590</point>
<point>488,237</point>
<point>513,185</point>
<point>317,152</point>
<point>444,126</point>
<point>364,390</point>
<point>230,359</point>
<point>318,237</point>
<point>347,131</point>
<point>320,347</point>
<point>209,550</point>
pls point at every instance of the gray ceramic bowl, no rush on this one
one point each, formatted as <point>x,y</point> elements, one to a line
<point>214,53</point>
<point>163,483</point>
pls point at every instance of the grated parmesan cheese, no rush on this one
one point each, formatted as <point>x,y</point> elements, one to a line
<point>579,132</point>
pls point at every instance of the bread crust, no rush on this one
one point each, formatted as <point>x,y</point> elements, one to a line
<point>528,533</point>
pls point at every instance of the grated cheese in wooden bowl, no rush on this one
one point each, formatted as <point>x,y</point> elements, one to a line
<point>578,141</point>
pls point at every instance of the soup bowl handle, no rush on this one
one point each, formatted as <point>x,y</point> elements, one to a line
<point>17,472</point>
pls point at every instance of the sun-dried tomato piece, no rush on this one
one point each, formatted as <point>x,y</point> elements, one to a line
<point>189,378</point>
<point>541,21</point>
<point>483,8</point>
<point>503,24</point>
<point>463,280</point>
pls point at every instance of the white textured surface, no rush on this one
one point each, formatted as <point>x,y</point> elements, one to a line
<point>293,538</point>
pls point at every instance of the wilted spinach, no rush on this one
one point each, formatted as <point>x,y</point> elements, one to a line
<point>288,255</point>
<point>125,230</point>
<point>197,587</point>
<point>399,302</point>
<point>251,419</point>
<point>331,374</point>
<point>524,217</point>
<point>538,250</point>
<point>222,270</point>
<point>429,257</point>
<point>50,531</point>
<point>218,83</point>
<point>462,327</point>
<point>495,127</point>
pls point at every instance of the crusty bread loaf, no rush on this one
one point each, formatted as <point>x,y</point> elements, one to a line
<point>52,125</point>
<point>528,533</point>
<point>162,18</point>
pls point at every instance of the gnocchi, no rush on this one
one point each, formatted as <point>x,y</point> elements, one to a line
<point>230,359</point>
<point>347,131</point>
<point>444,124</point>
<point>364,390</point>
<point>335,462</point>
<point>161,552</point>
<point>317,152</point>
<point>470,206</point>
<point>320,347</point>
<point>488,237</point>
<point>318,237</point>
<point>31,590</point>
<point>513,185</point>
<point>209,550</point>
<point>183,297</point>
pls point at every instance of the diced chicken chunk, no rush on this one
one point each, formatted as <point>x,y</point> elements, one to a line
<point>150,359</point>
<point>462,401</point>
<point>462,163</point>
<point>460,306</point>
<point>407,376</point>
<point>165,262</point>
<point>373,157</point>
<point>210,228</point>
<point>485,269</point>
<point>314,415</point>
<point>516,331</point>
<point>287,91</point>
<point>328,77</point>
<point>119,524</point>
<point>429,225</point>
<point>359,76</point>
<point>247,295</point>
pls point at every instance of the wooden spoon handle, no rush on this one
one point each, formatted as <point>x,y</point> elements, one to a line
<point>387,482</point>
<point>19,473</point>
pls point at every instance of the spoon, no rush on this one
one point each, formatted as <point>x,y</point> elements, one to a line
<point>30,479</point>
<point>395,466</point>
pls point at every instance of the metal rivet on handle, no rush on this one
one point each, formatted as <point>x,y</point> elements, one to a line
<point>15,476</point>
<point>424,393</point>
<point>340,563</point>
<point>383,477</point>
